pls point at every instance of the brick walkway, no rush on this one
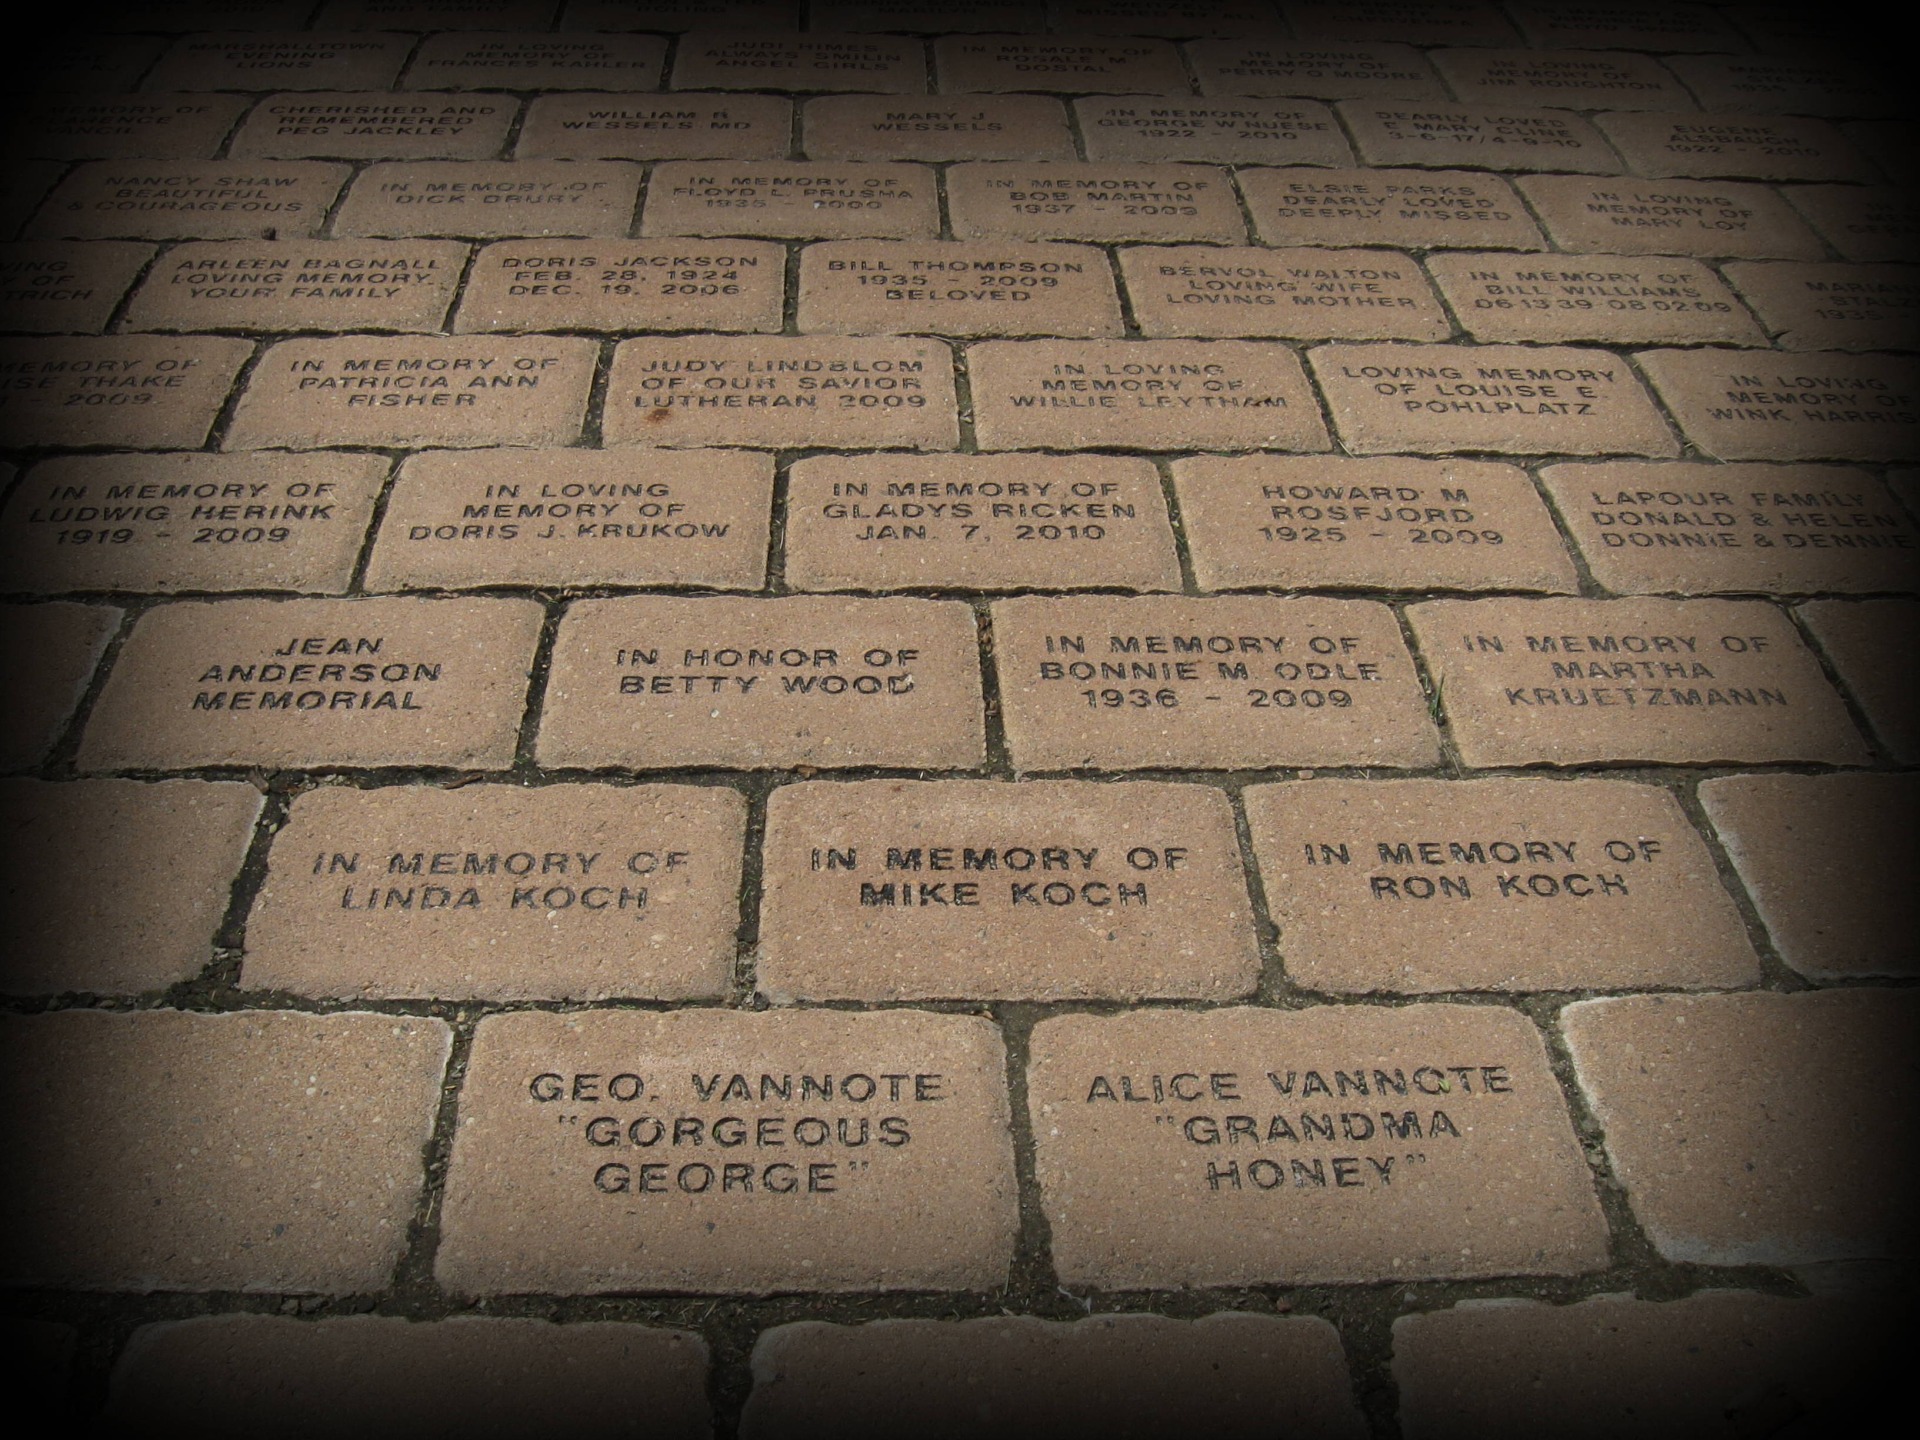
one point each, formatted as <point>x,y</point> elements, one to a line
<point>1128,717</point>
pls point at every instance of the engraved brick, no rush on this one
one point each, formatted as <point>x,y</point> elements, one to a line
<point>1418,886</point>
<point>463,518</point>
<point>114,886</point>
<point>377,125</point>
<point>103,199</point>
<point>65,287</point>
<point>1327,72</point>
<point>1687,529</point>
<point>1618,298</point>
<point>679,15</point>
<point>501,892</point>
<point>1062,64</point>
<point>187,15</point>
<point>1746,146</point>
<point>47,656</point>
<point>983,522</point>
<point>415,390</point>
<point>1833,307</point>
<point>1418,22</point>
<point>1267,521</point>
<point>1870,644</point>
<point>1626,25</point>
<point>1231,1374</point>
<point>432,14</point>
<point>189,522</point>
<point>109,127</point>
<point>1701,1137</point>
<point>1046,890</point>
<point>81,63</point>
<point>624,285</point>
<point>1682,217</point>
<point>763,60</point>
<point>1447,1120</point>
<point>1308,293</point>
<point>1802,85</point>
<point>764,684</point>
<point>782,392</point>
<point>1499,138</point>
<point>1575,79</point>
<point>133,391</point>
<point>270,59</point>
<point>299,285</point>
<point>306,1135</point>
<point>1244,132</point>
<point>1131,684</point>
<point>936,16</point>
<point>1773,405</point>
<point>536,60</point>
<point>987,127</point>
<point>927,1202</point>
<point>1826,859</point>
<point>656,127</point>
<point>798,199</point>
<point>246,1373</point>
<point>237,682</point>
<point>1174,19</point>
<point>491,197</point>
<point>1514,399</point>
<point>1419,209</point>
<point>996,200</point>
<point>1200,394</point>
<point>949,287</point>
<point>1679,682</point>
<point>1862,223</point>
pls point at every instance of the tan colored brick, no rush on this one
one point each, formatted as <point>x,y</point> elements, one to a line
<point>997,200</point>
<point>764,684</point>
<point>1200,394</point>
<point>1806,405</point>
<point>1622,299</point>
<point>1480,1173</point>
<point>1172,19</point>
<point>114,886</point>
<point>1864,223</point>
<point>425,390</point>
<point>502,892</point>
<point>977,889</point>
<point>568,517</point>
<point>782,392</point>
<point>1229,1374</point>
<point>536,60</point>
<point>799,199</point>
<point>1833,307</point>
<point>1307,293</point>
<point>1685,217</point>
<point>1870,643</point>
<point>109,127</point>
<point>655,127</point>
<point>63,287</point>
<point>1059,522</point>
<point>1513,399</point>
<point>917,16</point>
<point>306,1135</point>
<point>166,522</point>
<point>956,287</point>
<point>996,127</point>
<point>300,285</point>
<point>431,14</point>
<point>1329,71</point>
<point>368,1372</point>
<point>167,391</point>
<point>1659,25</point>
<point>1419,209</point>
<point>1679,528</point>
<point>1802,85</point>
<point>47,656</point>
<point>248,682</point>
<point>1677,682</point>
<point>1099,682</point>
<point>1228,132</point>
<point>1744,146</point>
<point>80,62</point>
<point>1418,22</point>
<point>679,15</point>
<point>491,197</point>
<point>557,1168</point>
<point>267,59</point>
<point>1726,1161</point>
<point>104,199</point>
<point>1418,886</point>
<point>1827,860</point>
<point>1575,79</point>
<point>1268,521</point>
<point>1067,64</point>
<point>624,285</point>
<point>760,60</point>
<point>377,125</point>
<point>1506,137</point>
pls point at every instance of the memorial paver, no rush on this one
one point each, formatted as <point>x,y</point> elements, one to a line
<point>1521,137</point>
<point>1784,29</point>
<point>1791,405</point>
<point>115,886</point>
<point>1658,25</point>
<point>1673,217</point>
<point>79,63</point>
<point>956,287</point>
<point>186,521</point>
<point>803,199</point>
<point>977,889</point>
<point>1869,643</point>
<point>189,15</point>
<point>1513,399</point>
<point>501,892</point>
<point>535,60</point>
<point>985,127</point>
<point>734,1152</point>
<point>985,522</point>
<point>132,391</point>
<point>47,656</point>
<point>305,1132</point>
<point>414,390</point>
<point>59,287</point>
<point>379,682</point>
<point>431,14</point>
<point>568,517</point>
<point>1327,71</point>
<point>1284,522</point>
<point>1417,22</point>
<point>782,391</point>
<point>994,200</point>
<point>1233,682</point>
<point>679,15</point>
<point>1576,682</point>
<point>112,127</point>
<point>1201,394</point>
<point>1701,1137</point>
<point>281,60</point>
<point>377,125</point>
<point>624,285</point>
<point>1833,307</point>
<point>655,127</point>
<point>491,197</point>
<point>1242,132</point>
<point>916,16</point>
<point>818,61</point>
<point>300,285</point>
<point>1418,886</point>
<point>1621,299</point>
<point>1801,85</point>
<point>1065,64</point>
<point>1445,1118</point>
<point>1175,19</point>
<point>1864,223</point>
<point>1743,146</point>
<point>1419,209</point>
<point>1314,294</point>
<point>189,200</point>
<point>1688,529</point>
<point>1573,79</point>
